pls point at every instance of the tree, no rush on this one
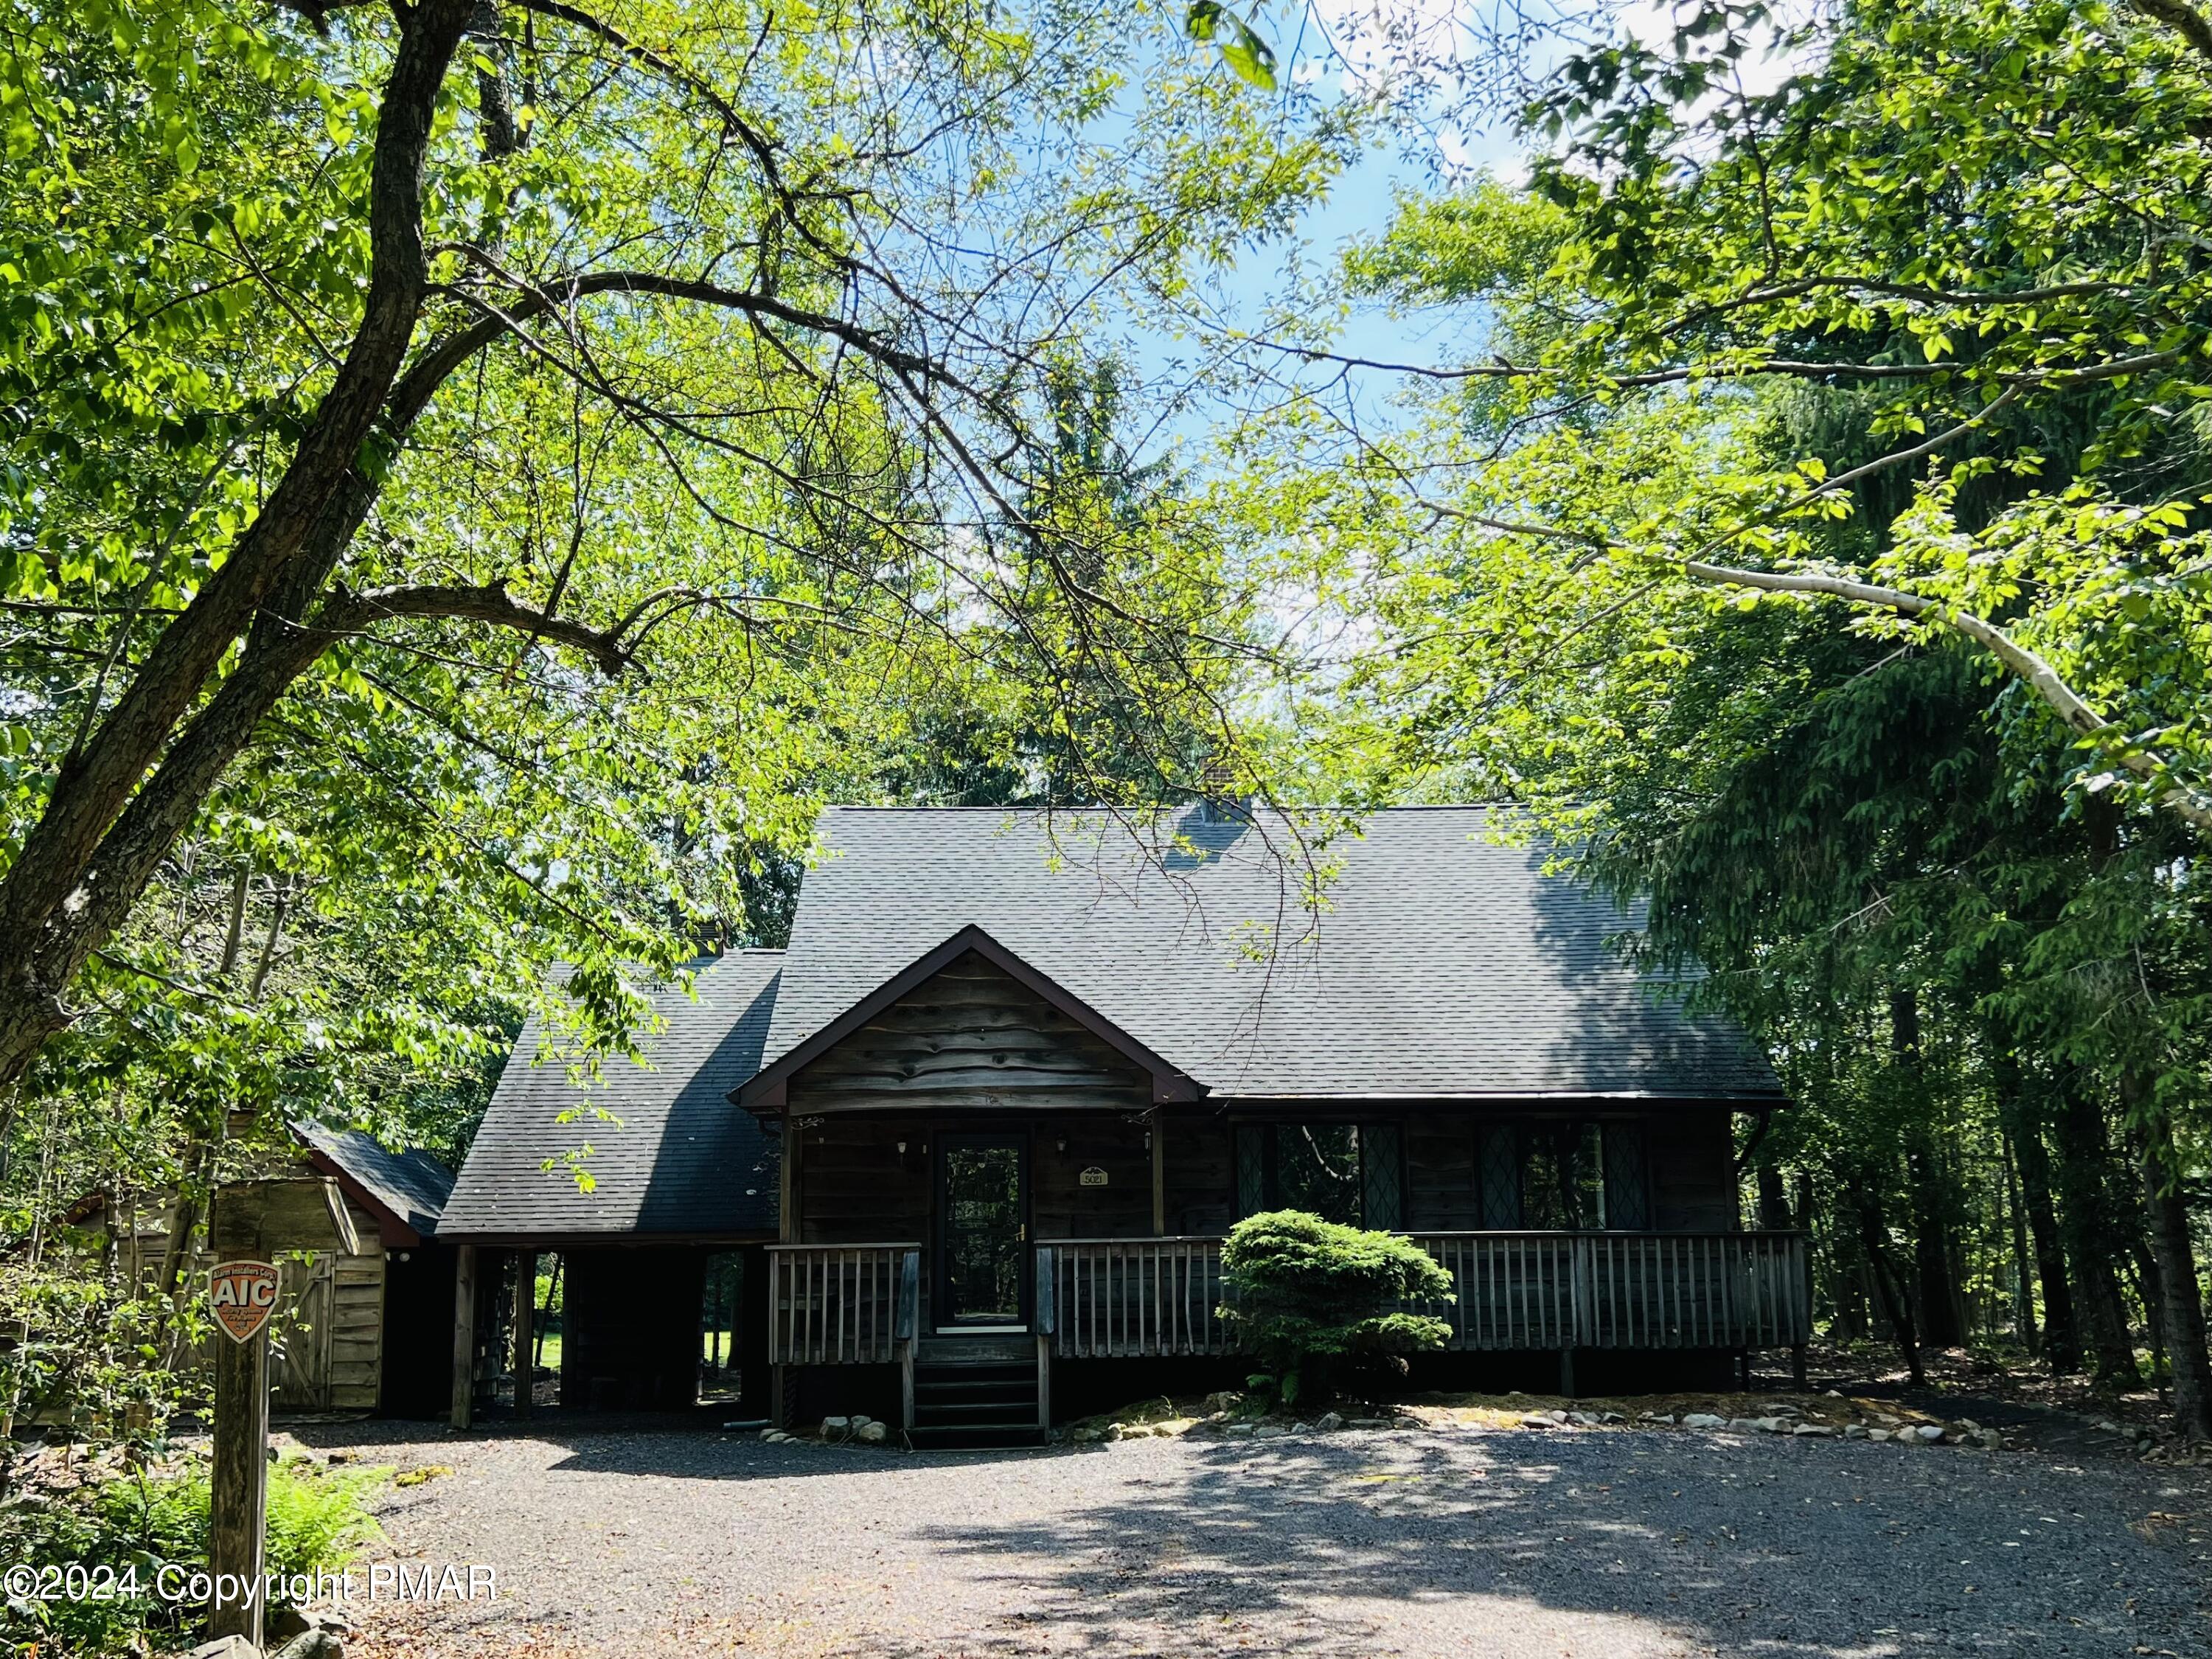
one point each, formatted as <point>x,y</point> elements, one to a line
<point>339,343</point>
<point>1814,533</point>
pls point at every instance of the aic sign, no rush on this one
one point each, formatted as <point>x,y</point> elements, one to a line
<point>244,1295</point>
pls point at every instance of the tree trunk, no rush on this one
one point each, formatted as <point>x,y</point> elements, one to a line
<point>57,882</point>
<point>1936,1293</point>
<point>2062,1335</point>
<point>1773,1201</point>
<point>2094,1235</point>
<point>2181,1300</point>
<point>1888,1284</point>
<point>2023,1274</point>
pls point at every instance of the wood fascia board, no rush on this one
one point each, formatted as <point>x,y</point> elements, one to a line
<point>393,1229</point>
<point>1616,1100</point>
<point>765,1092</point>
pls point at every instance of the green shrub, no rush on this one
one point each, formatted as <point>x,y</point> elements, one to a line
<point>1304,1291</point>
<point>319,1520</point>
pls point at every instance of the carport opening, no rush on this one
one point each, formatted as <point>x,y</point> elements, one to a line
<point>721,1303</point>
<point>543,1364</point>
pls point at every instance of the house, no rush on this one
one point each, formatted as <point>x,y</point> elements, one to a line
<point>978,1132</point>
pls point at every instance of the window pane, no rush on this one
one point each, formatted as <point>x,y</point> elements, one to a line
<point>1251,1170</point>
<point>1501,1177</point>
<point>1560,1188</point>
<point>1384,1206</point>
<point>1317,1169</point>
<point>1627,1201</point>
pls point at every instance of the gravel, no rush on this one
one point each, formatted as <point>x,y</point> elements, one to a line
<point>1601,1545</point>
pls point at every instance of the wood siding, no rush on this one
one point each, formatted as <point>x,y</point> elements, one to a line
<point>1201,1175</point>
<point>854,1186</point>
<point>329,1330</point>
<point>1443,1189</point>
<point>971,1040</point>
<point>1691,1155</point>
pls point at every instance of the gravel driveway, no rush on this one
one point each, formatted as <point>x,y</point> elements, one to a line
<point>1579,1545</point>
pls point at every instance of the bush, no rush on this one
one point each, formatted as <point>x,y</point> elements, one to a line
<point>1304,1292</point>
<point>319,1519</point>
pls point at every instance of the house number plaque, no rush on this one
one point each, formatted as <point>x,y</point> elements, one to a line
<point>1093,1176</point>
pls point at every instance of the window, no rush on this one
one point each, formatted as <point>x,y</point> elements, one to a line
<point>1342,1172</point>
<point>1560,1182</point>
<point>1563,1176</point>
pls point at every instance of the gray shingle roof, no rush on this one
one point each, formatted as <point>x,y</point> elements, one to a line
<point>412,1184</point>
<point>1443,965</point>
<point>684,1160</point>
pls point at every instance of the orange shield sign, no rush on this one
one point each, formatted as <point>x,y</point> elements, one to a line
<point>244,1295</point>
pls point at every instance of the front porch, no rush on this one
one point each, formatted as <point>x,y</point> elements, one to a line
<point>1160,1298</point>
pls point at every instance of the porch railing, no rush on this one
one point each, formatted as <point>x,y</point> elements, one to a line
<point>1129,1298</point>
<point>1141,1298</point>
<point>841,1305</point>
<point>1531,1289</point>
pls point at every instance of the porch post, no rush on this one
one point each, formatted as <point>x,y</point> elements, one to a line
<point>464,1332</point>
<point>525,1314</point>
<point>1159,1138</point>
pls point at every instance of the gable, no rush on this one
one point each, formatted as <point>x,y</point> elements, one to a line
<point>970,1037</point>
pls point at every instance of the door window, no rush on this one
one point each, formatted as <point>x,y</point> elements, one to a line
<point>983,1231</point>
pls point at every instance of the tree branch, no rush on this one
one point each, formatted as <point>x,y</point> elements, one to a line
<point>2028,665</point>
<point>490,603</point>
<point>2184,19</point>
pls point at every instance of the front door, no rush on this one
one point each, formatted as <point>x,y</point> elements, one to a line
<point>982,1236</point>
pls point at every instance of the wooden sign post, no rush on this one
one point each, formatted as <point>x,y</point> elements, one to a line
<point>244,1295</point>
<point>250,1222</point>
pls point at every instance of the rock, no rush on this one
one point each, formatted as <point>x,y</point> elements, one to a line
<point>1666,1417</point>
<point>1114,1431</point>
<point>1929,1432</point>
<point>1270,1432</point>
<point>1835,1394</point>
<point>2107,1425</point>
<point>1703,1420</point>
<point>1583,1420</point>
<point>1989,1439</point>
<point>1886,1421</point>
<point>1369,1423</point>
<point>231,1647</point>
<point>1813,1430</point>
<point>1328,1422</point>
<point>1877,1434</point>
<point>1859,1431</point>
<point>1244,1430</point>
<point>1969,1425</point>
<point>1557,1417</point>
<point>312,1644</point>
<point>837,1428</point>
<point>1224,1400</point>
<point>1537,1420</point>
<point>1611,1417</point>
<point>873,1434</point>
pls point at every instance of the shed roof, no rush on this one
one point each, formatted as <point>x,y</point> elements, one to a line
<point>680,1162</point>
<point>1444,963</point>
<point>410,1185</point>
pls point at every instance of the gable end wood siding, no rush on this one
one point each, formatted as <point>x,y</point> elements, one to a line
<point>970,1039</point>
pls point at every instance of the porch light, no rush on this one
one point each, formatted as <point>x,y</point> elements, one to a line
<point>901,1146</point>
